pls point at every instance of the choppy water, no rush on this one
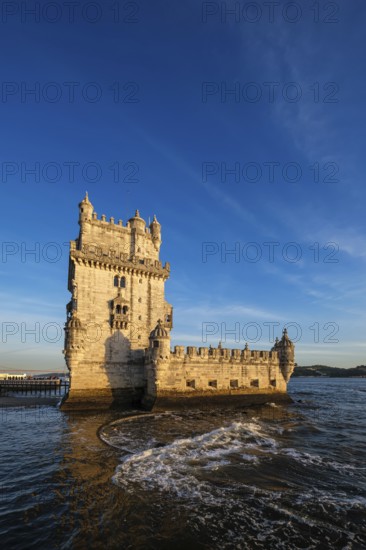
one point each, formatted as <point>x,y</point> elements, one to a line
<point>269,477</point>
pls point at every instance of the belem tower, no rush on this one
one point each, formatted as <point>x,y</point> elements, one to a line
<point>117,333</point>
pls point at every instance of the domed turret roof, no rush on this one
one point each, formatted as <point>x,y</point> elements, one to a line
<point>159,331</point>
<point>137,217</point>
<point>74,322</point>
<point>285,340</point>
<point>85,200</point>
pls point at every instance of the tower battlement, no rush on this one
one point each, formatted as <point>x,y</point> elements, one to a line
<point>111,223</point>
<point>223,354</point>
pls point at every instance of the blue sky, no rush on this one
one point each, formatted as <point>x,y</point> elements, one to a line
<point>239,135</point>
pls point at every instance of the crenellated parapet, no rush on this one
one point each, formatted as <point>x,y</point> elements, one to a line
<point>221,354</point>
<point>132,238</point>
<point>113,225</point>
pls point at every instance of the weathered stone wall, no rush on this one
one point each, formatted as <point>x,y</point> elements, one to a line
<point>143,294</point>
<point>115,319</point>
<point>90,375</point>
<point>203,371</point>
<point>120,239</point>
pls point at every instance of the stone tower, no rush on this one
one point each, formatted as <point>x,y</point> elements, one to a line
<point>117,284</point>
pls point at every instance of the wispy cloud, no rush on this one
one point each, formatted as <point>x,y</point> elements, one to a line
<point>240,313</point>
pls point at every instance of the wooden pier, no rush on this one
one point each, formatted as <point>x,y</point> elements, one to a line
<point>34,387</point>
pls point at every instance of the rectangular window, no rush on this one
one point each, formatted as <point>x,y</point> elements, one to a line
<point>254,383</point>
<point>273,383</point>
<point>191,383</point>
<point>212,383</point>
<point>234,383</point>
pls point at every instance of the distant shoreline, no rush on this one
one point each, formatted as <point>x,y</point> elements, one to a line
<point>326,376</point>
<point>329,372</point>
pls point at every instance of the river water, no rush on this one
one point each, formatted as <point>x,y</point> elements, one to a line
<point>268,477</point>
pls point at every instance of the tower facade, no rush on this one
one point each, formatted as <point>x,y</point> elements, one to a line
<point>117,283</point>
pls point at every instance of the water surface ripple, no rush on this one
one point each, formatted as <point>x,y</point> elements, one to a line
<point>267,477</point>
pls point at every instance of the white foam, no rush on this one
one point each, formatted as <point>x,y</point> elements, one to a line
<point>177,466</point>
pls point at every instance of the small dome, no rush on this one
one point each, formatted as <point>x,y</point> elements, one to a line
<point>85,200</point>
<point>285,340</point>
<point>74,322</point>
<point>137,217</point>
<point>137,222</point>
<point>159,331</point>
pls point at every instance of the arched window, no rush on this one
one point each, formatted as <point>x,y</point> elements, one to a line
<point>124,310</point>
<point>116,281</point>
<point>118,310</point>
<point>122,282</point>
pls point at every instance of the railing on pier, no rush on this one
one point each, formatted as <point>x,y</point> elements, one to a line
<point>45,387</point>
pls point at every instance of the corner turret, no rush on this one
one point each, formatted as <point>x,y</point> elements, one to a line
<point>286,353</point>
<point>137,223</point>
<point>159,342</point>
<point>85,209</point>
<point>74,340</point>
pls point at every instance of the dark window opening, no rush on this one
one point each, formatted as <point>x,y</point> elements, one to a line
<point>115,281</point>
<point>191,383</point>
<point>234,383</point>
<point>156,343</point>
<point>122,282</point>
<point>212,383</point>
<point>254,383</point>
<point>274,383</point>
<point>118,310</point>
<point>124,309</point>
